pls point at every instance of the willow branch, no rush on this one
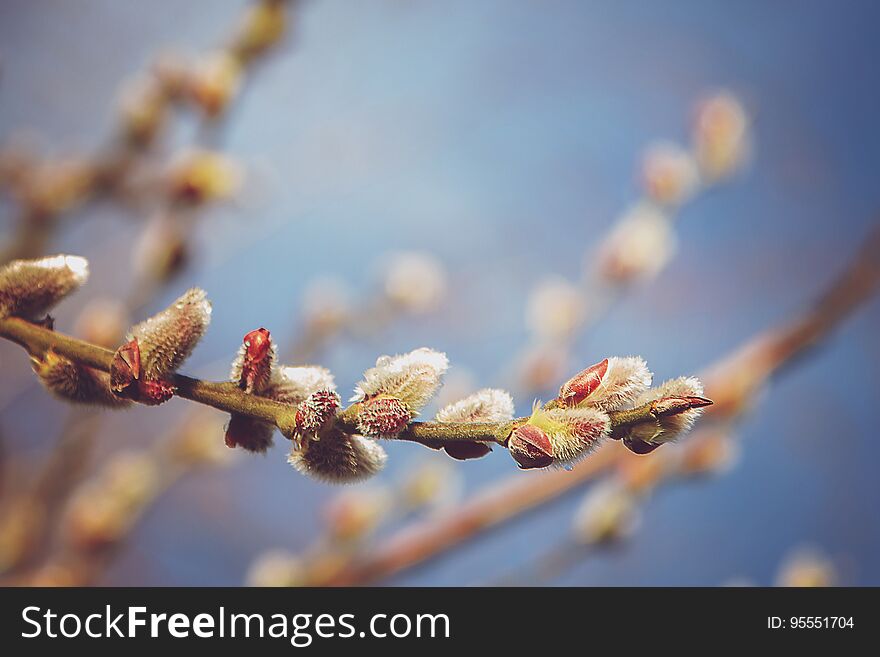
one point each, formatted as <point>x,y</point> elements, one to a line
<point>759,359</point>
<point>227,396</point>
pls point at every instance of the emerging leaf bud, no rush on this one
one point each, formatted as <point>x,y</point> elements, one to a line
<point>338,457</point>
<point>382,417</point>
<point>582,385</point>
<point>530,447</point>
<point>412,378</point>
<point>30,288</point>
<point>252,368</point>
<point>609,385</point>
<point>675,406</point>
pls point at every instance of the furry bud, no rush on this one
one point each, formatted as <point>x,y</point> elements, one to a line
<point>382,417</point>
<point>316,412</point>
<point>582,385</point>
<point>486,405</point>
<point>248,433</point>
<point>675,406</point>
<point>625,378</point>
<point>168,338</point>
<point>530,447</point>
<point>412,378</point>
<point>289,385</point>
<point>574,433</point>
<point>75,383</point>
<point>252,367</point>
<point>338,457</point>
<point>30,288</point>
<point>292,385</point>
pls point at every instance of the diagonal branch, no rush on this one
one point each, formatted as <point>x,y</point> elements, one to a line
<point>227,396</point>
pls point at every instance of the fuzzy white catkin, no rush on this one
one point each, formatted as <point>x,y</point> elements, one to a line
<point>413,378</point>
<point>486,405</point>
<point>627,378</point>
<point>30,288</point>
<point>338,457</point>
<point>293,384</point>
<point>168,338</point>
<point>75,383</point>
<point>580,431</point>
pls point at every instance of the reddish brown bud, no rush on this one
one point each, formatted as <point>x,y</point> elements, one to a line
<point>316,412</point>
<point>530,447</point>
<point>257,362</point>
<point>675,405</point>
<point>248,433</point>
<point>463,451</point>
<point>155,392</point>
<point>382,416</point>
<point>582,385</point>
<point>126,366</point>
<point>637,446</point>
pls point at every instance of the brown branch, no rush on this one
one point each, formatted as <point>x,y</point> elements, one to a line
<point>227,396</point>
<point>758,360</point>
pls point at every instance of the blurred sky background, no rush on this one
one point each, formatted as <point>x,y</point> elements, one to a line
<point>504,138</point>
